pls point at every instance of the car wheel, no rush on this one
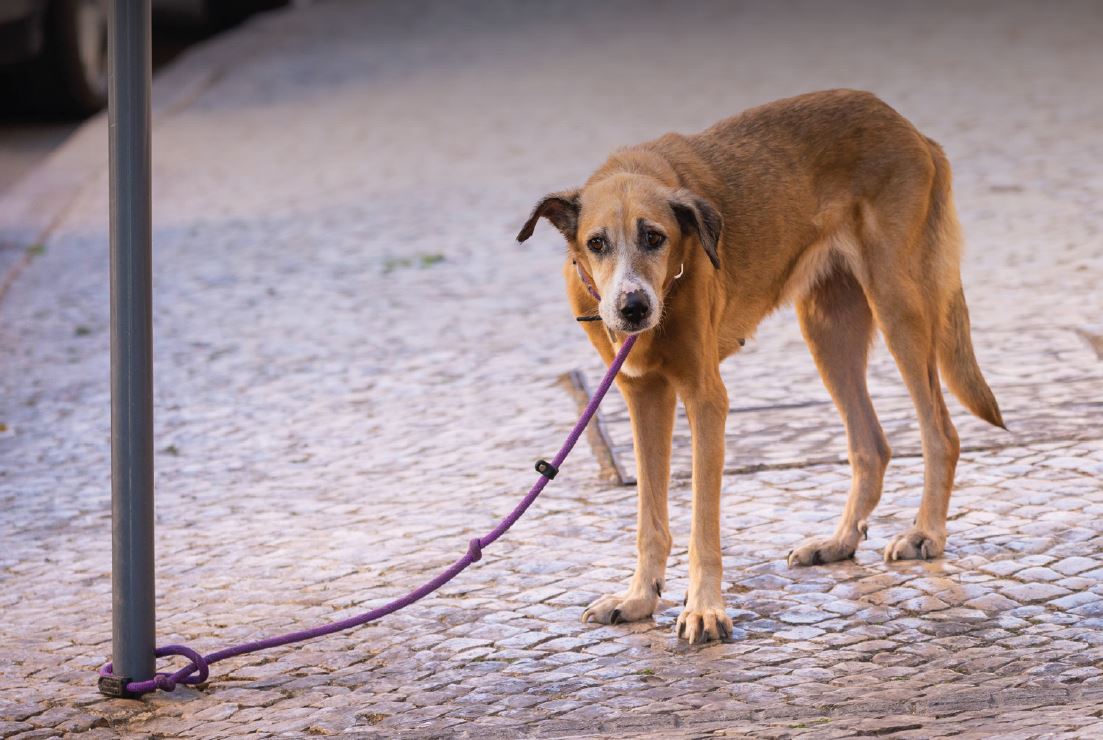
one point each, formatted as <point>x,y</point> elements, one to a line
<point>78,45</point>
<point>68,76</point>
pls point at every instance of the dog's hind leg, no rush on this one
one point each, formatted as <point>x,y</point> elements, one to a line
<point>909,326</point>
<point>651,405</point>
<point>838,326</point>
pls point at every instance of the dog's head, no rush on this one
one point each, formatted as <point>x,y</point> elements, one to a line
<point>632,234</point>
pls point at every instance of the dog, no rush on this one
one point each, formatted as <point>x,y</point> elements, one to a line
<point>831,201</point>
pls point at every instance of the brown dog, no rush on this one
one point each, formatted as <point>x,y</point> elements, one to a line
<point>831,200</point>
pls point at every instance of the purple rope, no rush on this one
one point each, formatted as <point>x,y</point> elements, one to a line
<point>199,668</point>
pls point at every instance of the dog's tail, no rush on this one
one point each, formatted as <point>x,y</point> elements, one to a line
<point>955,342</point>
<point>959,364</point>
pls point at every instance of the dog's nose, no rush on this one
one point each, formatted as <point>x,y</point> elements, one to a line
<point>634,307</point>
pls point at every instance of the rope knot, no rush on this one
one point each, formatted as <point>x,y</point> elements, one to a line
<point>475,550</point>
<point>196,672</point>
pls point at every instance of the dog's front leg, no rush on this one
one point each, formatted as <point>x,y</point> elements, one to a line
<point>703,617</point>
<point>651,404</point>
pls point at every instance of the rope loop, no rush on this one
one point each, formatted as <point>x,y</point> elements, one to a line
<point>195,672</point>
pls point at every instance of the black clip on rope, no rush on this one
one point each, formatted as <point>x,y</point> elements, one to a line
<point>546,469</point>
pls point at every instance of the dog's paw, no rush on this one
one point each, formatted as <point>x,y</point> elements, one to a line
<point>702,624</point>
<point>616,608</point>
<point>820,550</point>
<point>915,544</point>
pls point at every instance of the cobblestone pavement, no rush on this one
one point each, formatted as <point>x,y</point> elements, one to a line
<point>356,367</point>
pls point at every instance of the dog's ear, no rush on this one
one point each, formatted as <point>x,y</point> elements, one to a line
<point>559,208</point>
<point>697,216</point>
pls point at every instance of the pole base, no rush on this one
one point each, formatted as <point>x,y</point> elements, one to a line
<point>115,687</point>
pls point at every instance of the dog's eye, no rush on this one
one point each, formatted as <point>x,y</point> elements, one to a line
<point>655,239</point>
<point>596,245</point>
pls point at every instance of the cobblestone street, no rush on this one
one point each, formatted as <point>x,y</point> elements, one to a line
<point>356,367</point>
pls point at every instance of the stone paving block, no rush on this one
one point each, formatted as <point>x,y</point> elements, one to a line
<point>1028,592</point>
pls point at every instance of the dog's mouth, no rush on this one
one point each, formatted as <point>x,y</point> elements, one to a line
<point>620,327</point>
<point>638,328</point>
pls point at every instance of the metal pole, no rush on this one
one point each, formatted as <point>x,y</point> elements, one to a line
<point>129,83</point>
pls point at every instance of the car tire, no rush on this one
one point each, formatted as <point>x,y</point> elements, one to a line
<point>68,77</point>
<point>77,53</point>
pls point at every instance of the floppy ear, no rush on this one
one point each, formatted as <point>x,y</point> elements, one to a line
<point>559,208</point>
<point>699,217</point>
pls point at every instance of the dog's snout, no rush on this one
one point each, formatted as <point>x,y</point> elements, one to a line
<point>634,306</point>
